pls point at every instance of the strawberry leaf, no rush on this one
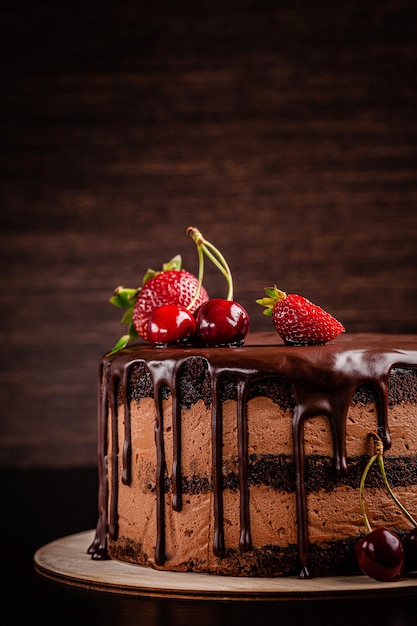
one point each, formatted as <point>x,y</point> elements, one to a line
<point>124,339</point>
<point>273,295</point>
<point>124,298</point>
<point>268,302</point>
<point>150,273</point>
<point>270,291</point>
<point>268,312</point>
<point>127,317</point>
<point>174,264</point>
<point>122,343</point>
<point>132,332</point>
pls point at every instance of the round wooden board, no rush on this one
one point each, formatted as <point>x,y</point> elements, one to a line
<point>66,560</point>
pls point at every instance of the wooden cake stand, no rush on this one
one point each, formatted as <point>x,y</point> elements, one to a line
<point>66,560</point>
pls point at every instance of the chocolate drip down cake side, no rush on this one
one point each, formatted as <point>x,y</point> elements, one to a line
<point>244,456</point>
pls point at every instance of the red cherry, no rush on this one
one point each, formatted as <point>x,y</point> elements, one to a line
<point>380,555</point>
<point>170,323</point>
<point>222,322</point>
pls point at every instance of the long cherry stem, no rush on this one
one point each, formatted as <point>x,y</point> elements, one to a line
<point>207,248</point>
<point>391,493</point>
<point>379,454</point>
<point>200,277</point>
<point>362,489</point>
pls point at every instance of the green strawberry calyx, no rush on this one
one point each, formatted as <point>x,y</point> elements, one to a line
<point>125,298</point>
<point>174,264</point>
<point>273,296</point>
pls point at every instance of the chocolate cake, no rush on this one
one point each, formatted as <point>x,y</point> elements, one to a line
<point>247,461</point>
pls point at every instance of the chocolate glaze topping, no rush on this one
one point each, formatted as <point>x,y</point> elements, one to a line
<point>323,381</point>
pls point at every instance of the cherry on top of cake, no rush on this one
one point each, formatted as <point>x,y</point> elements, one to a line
<point>173,307</point>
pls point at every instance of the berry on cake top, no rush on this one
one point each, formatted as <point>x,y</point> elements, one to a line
<point>173,307</point>
<point>297,320</point>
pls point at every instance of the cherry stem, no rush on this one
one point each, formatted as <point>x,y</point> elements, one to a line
<point>200,277</point>
<point>379,454</point>
<point>362,489</point>
<point>207,248</point>
<point>390,491</point>
<point>223,266</point>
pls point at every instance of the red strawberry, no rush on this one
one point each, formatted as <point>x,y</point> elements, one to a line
<point>297,320</point>
<point>171,287</point>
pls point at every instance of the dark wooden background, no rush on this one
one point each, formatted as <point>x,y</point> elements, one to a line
<point>285,131</point>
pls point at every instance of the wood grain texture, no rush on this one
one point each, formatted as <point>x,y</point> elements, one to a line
<point>287,132</point>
